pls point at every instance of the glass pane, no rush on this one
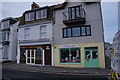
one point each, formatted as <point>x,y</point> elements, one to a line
<point>26,17</point>
<point>88,55</point>
<point>76,31</point>
<point>44,13</point>
<point>28,53</point>
<point>28,60</point>
<point>77,13</point>
<point>42,28</point>
<point>94,54</point>
<point>32,54</point>
<point>64,32</point>
<point>75,55</point>
<point>83,30</point>
<point>73,13</point>
<point>88,30</point>
<point>43,35</point>
<point>32,60</point>
<point>27,30</point>
<point>64,55</point>
<point>69,32</point>
<point>38,14</point>
<point>39,58</point>
<point>32,15</point>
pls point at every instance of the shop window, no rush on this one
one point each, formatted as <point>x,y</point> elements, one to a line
<point>70,55</point>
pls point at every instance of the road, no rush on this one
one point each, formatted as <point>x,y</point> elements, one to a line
<point>24,75</point>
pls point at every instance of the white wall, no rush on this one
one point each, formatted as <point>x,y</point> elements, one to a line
<point>35,31</point>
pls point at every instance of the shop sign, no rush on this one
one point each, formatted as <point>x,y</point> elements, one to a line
<point>69,46</point>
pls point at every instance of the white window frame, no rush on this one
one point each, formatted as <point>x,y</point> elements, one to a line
<point>26,34</point>
<point>6,36</point>
<point>42,14</point>
<point>5,24</point>
<point>28,16</point>
<point>43,32</point>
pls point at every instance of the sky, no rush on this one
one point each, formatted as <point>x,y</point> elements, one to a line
<point>109,12</point>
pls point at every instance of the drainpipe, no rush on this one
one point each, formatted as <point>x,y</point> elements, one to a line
<point>18,53</point>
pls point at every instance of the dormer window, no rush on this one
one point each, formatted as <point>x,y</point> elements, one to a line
<point>36,14</point>
<point>41,14</point>
<point>5,24</point>
<point>30,16</point>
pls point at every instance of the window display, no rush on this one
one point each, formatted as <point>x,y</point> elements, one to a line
<point>70,55</point>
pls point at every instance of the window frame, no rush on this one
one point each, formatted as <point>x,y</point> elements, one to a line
<point>28,34</point>
<point>70,48</point>
<point>28,16</point>
<point>43,31</point>
<point>79,30</point>
<point>75,12</point>
<point>5,24</point>
<point>43,13</point>
<point>5,36</point>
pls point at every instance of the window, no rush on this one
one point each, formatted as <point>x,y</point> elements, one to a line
<point>42,31</point>
<point>70,55</point>
<point>41,14</point>
<point>5,36</point>
<point>77,31</point>
<point>5,24</point>
<point>75,12</point>
<point>27,33</point>
<point>30,16</point>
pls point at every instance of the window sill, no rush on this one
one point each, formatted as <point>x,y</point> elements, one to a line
<point>70,63</point>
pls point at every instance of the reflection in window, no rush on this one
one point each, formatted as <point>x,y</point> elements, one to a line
<point>76,31</point>
<point>88,55</point>
<point>94,55</point>
<point>70,55</point>
<point>83,30</point>
<point>69,32</point>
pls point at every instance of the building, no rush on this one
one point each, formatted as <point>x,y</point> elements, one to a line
<point>35,43</point>
<point>8,39</point>
<point>115,58</point>
<point>108,49</point>
<point>78,35</point>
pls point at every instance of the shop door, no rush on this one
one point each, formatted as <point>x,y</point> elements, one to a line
<point>30,56</point>
<point>91,58</point>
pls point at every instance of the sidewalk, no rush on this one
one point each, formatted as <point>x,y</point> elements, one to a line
<point>56,70</point>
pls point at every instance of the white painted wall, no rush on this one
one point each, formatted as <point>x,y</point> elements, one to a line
<point>35,31</point>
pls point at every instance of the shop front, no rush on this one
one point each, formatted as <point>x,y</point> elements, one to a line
<point>40,55</point>
<point>79,55</point>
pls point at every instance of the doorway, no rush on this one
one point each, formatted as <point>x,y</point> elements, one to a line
<point>91,58</point>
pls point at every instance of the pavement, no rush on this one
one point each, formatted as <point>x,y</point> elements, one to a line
<point>55,70</point>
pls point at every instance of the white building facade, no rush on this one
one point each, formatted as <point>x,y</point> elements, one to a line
<point>8,40</point>
<point>35,37</point>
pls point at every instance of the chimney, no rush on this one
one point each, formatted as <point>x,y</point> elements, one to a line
<point>34,5</point>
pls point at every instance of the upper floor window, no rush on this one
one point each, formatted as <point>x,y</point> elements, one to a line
<point>5,24</point>
<point>30,16</point>
<point>77,31</point>
<point>42,31</point>
<point>41,14</point>
<point>27,33</point>
<point>75,12</point>
<point>5,36</point>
